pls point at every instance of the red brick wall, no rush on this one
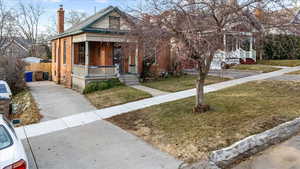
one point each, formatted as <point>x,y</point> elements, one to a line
<point>163,58</point>
<point>62,73</point>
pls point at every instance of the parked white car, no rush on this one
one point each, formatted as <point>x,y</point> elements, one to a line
<point>12,153</point>
<point>5,91</point>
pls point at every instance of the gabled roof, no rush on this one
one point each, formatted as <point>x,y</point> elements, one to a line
<point>84,26</point>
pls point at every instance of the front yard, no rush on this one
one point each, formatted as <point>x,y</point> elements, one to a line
<point>255,67</point>
<point>175,84</point>
<point>236,113</point>
<point>115,96</point>
<point>289,63</point>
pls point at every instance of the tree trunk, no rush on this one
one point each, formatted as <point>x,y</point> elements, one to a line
<point>200,106</point>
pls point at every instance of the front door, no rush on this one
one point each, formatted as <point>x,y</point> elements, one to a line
<point>118,57</point>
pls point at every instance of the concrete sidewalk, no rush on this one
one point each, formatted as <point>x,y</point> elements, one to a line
<point>153,92</point>
<point>55,101</point>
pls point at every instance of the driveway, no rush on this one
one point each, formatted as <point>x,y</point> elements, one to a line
<point>55,101</point>
<point>283,156</point>
<point>98,145</point>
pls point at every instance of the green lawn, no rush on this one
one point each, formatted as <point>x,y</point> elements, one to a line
<point>290,63</point>
<point>236,113</point>
<point>174,84</point>
<point>261,68</point>
<point>115,96</point>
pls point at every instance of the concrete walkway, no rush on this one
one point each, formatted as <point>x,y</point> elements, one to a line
<point>55,101</point>
<point>286,78</point>
<point>233,74</point>
<point>153,92</point>
<point>282,156</point>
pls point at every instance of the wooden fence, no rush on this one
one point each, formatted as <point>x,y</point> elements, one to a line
<point>44,67</point>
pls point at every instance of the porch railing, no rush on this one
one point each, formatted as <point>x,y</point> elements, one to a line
<point>102,71</point>
<point>94,71</point>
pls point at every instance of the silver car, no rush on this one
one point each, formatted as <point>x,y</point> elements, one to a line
<point>12,153</point>
<point>5,91</point>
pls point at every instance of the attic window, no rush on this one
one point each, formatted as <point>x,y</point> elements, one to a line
<point>114,22</point>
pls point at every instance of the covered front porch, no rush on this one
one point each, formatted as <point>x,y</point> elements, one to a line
<point>100,60</point>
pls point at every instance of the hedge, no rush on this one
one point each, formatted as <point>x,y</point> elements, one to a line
<point>282,47</point>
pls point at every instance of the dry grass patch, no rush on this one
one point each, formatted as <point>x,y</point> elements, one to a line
<point>289,63</point>
<point>260,68</point>
<point>175,84</point>
<point>115,96</point>
<point>28,111</point>
<point>294,73</point>
<point>237,112</point>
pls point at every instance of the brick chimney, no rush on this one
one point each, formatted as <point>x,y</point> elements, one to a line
<point>60,20</point>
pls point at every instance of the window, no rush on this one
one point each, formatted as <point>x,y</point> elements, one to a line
<point>114,22</point>
<point>3,88</point>
<point>5,138</point>
<point>10,126</point>
<point>65,52</point>
<point>81,54</point>
<point>54,53</point>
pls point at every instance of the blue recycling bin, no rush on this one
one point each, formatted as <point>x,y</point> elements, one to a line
<point>28,76</point>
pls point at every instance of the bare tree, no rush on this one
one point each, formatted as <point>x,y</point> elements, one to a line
<point>28,20</point>
<point>6,27</point>
<point>198,28</point>
<point>74,17</point>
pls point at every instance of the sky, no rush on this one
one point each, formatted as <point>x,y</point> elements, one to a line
<point>88,6</point>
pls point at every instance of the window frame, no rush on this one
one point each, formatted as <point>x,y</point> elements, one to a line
<point>65,52</point>
<point>54,54</point>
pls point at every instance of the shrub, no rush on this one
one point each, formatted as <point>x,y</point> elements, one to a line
<point>12,71</point>
<point>101,85</point>
<point>282,47</point>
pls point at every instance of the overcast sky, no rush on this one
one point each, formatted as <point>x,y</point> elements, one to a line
<point>88,6</point>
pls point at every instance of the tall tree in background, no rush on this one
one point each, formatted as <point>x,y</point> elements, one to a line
<point>6,27</point>
<point>28,18</point>
<point>197,26</point>
<point>74,17</point>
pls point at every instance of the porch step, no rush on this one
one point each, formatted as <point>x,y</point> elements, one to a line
<point>129,80</point>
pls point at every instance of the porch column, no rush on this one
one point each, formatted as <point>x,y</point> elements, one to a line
<point>87,58</point>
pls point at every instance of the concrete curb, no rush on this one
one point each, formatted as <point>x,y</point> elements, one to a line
<point>249,146</point>
<point>253,144</point>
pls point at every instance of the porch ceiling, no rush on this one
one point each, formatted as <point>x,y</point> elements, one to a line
<point>96,37</point>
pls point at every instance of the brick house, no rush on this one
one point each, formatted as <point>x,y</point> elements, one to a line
<point>91,50</point>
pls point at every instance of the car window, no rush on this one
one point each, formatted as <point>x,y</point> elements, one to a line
<point>5,139</point>
<point>10,126</point>
<point>3,88</point>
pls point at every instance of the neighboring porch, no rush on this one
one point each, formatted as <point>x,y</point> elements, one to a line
<point>238,46</point>
<point>94,61</point>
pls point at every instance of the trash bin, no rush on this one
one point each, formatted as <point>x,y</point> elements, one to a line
<point>38,75</point>
<point>46,76</point>
<point>28,76</point>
